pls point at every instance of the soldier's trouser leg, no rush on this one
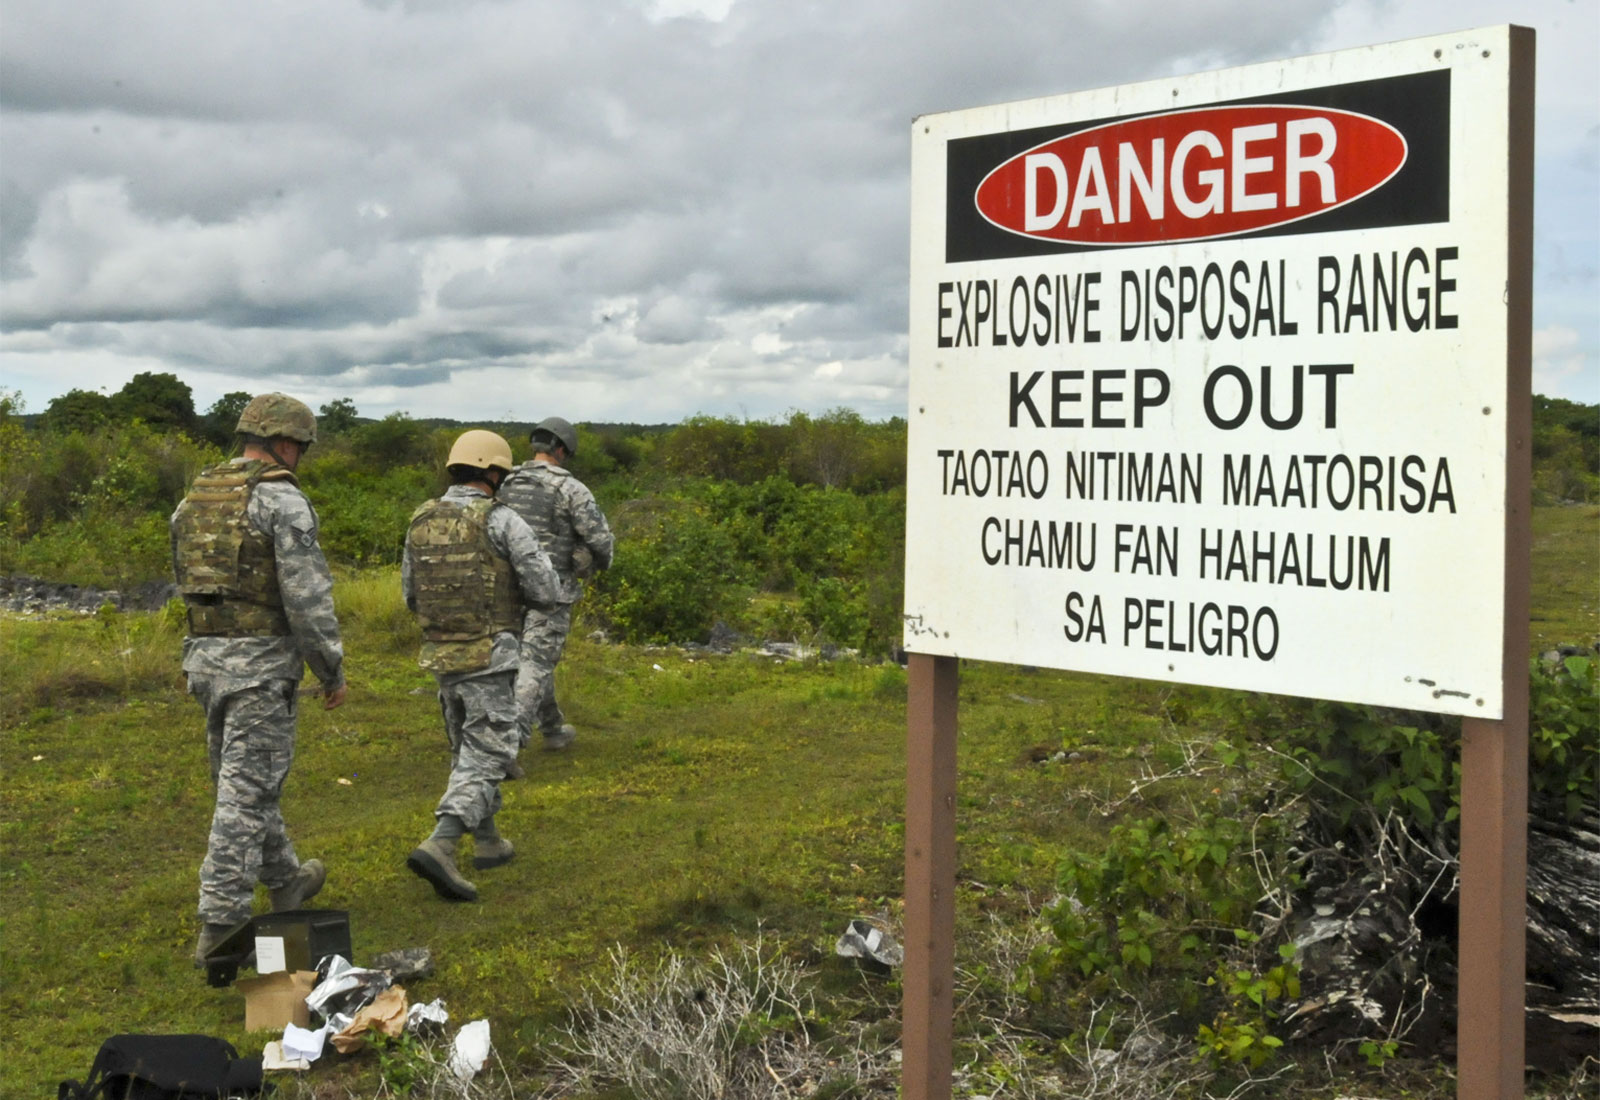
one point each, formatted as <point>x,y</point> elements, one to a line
<point>250,736</point>
<point>480,719</point>
<point>543,638</point>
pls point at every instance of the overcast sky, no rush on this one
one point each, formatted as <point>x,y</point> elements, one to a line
<point>609,210</point>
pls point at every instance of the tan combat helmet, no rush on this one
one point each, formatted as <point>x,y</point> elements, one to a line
<point>271,415</point>
<point>482,450</point>
<point>560,430</point>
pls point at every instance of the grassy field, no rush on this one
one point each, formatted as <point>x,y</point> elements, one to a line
<point>709,799</point>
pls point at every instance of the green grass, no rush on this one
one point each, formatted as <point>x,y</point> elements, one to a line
<point>706,797</point>
<point>1566,575</point>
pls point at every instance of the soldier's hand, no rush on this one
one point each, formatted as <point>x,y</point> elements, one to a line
<point>583,562</point>
<point>335,698</point>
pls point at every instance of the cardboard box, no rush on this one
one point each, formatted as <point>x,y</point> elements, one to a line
<point>273,1000</point>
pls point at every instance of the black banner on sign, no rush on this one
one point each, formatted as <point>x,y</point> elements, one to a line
<point>1417,105</point>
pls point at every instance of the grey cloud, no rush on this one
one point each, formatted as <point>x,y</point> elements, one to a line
<point>409,376</point>
<point>92,257</point>
<point>676,320</point>
<point>391,194</point>
<point>18,212</point>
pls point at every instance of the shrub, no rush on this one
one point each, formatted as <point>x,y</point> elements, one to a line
<point>363,513</point>
<point>1564,731</point>
<point>676,572</point>
<point>396,440</point>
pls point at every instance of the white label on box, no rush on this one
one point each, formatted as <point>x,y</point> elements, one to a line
<point>270,955</point>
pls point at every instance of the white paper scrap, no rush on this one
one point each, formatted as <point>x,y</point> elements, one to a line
<point>273,1057</point>
<point>420,1014</point>
<point>270,955</point>
<point>470,1052</point>
<point>300,1042</point>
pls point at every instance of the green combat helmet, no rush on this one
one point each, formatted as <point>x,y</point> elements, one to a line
<point>562,431</point>
<point>277,414</point>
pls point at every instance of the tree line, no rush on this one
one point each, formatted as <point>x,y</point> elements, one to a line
<point>788,529</point>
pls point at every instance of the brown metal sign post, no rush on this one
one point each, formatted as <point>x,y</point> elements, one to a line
<point>928,1004</point>
<point>1490,1006</point>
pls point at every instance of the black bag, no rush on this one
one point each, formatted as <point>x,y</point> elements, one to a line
<point>165,1067</point>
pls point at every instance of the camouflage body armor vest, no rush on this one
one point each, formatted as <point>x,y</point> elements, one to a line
<point>226,571</point>
<point>465,592</point>
<point>534,492</point>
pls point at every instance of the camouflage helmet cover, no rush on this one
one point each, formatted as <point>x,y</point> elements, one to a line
<point>482,450</point>
<point>561,430</point>
<point>277,414</point>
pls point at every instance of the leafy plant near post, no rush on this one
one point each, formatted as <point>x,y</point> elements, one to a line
<point>1166,905</point>
<point>1564,745</point>
<point>1203,902</point>
<point>1241,1033</point>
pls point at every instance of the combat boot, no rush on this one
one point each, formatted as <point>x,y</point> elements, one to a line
<point>563,737</point>
<point>495,852</point>
<point>435,860</point>
<point>300,889</point>
<point>210,936</point>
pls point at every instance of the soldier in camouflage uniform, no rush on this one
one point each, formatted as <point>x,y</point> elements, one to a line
<point>260,608</point>
<point>570,526</point>
<point>470,568</point>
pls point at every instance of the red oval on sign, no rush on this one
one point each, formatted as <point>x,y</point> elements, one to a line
<point>1191,175</point>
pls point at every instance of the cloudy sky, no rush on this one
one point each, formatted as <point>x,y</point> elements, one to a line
<point>629,210</point>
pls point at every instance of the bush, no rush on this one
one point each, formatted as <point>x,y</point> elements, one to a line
<point>397,440</point>
<point>1564,731</point>
<point>1172,899</point>
<point>1566,451</point>
<point>363,514</point>
<point>676,572</point>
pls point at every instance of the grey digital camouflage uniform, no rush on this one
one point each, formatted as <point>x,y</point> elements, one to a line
<point>247,688</point>
<point>479,706</point>
<point>563,513</point>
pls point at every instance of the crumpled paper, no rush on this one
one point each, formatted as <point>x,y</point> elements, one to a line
<point>273,1057</point>
<point>862,941</point>
<point>470,1052</point>
<point>303,1043</point>
<point>386,1015</point>
<point>421,1017</point>
<point>405,964</point>
<point>346,988</point>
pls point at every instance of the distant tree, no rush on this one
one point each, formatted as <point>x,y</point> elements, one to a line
<point>77,411</point>
<point>337,417</point>
<point>730,450</point>
<point>1566,450</point>
<point>223,417</point>
<point>396,440</point>
<point>829,450</point>
<point>160,400</point>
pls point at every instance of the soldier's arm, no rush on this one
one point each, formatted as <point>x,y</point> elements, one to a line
<point>510,535</point>
<point>172,543</point>
<point>589,524</point>
<point>408,584</point>
<point>305,583</point>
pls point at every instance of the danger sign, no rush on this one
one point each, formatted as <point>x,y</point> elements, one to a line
<point>1214,172</point>
<point>1208,378</point>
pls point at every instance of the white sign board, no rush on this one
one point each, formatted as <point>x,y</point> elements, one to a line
<point>1208,378</point>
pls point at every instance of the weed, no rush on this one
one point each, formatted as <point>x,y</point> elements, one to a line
<point>743,1024</point>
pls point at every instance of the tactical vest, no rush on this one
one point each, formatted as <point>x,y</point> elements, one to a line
<point>534,493</point>
<point>226,571</point>
<point>465,592</point>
